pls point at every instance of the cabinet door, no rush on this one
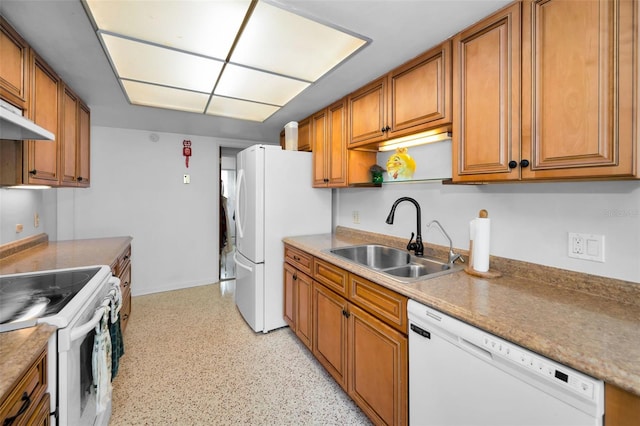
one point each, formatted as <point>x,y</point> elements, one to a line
<point>304,135</point>
<point>486,98</point>
<point>289,296</point>
<point>330,332</point>
<point>320,151</point>
<point>303,309</point>
<point>68,137</point>
<point>621,407</point>
<point>420,92</point>
<point>42,156</point>
<point>578,88</point>
<point>367,114</point>
<point>336,154</point>
<point>14,68</point>
<point>84,145</point>
<point>378,368</point>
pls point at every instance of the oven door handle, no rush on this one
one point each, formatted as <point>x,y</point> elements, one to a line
<point>82,330</point>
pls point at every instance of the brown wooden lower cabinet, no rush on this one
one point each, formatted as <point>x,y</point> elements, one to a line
<point>368,358</point>
<point>378,368</point>
<point>330,332</point>
<point>297,303</point>
<point>355,329</point>
<point>621,408</point>
<point>28,402</point>
<point>121,268</point>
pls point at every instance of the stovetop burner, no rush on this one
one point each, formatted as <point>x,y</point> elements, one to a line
<point>32,296</point>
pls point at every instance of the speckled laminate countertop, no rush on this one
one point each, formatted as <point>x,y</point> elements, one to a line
<point>579,320</point>
<point>18,350</point>
<point>47,255</point>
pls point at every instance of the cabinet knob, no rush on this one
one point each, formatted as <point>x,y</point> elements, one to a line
<point>33,172</point>
<point>79,178</point>
<point>513,164</point>
<point>524,163</point>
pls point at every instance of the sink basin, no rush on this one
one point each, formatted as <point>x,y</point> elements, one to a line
<point>394,263</point>
<point>374,256</point>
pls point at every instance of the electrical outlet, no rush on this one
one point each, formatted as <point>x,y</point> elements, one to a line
<point>356,216</point>
<point>36,220</point>
<point>19,228</point>
<point>586,246</point>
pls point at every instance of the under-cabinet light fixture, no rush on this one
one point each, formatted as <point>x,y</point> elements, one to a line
<point>415,140</point>
<point>28,187</point>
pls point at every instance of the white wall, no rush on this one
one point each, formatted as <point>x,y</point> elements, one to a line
<point>530,221</point>
<point>19,206</point>
<point>137,190</point>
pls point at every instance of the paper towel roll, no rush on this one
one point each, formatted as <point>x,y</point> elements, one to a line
<point>479,232</point>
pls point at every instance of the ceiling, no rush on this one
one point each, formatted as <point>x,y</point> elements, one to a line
<point>61,32</point>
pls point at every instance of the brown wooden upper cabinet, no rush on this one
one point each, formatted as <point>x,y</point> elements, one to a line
<point>334,166</point>
<point>74,137</point>
<point>576,95</point>
<point>328,130</point>
<point>27,82</point>
<point>304,135</point>
<point>14,66</point>
<point>412,98</point>
<point>42,156</point>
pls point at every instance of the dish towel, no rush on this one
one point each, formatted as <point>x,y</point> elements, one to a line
<point>101,363</point>
<point>117,342</point>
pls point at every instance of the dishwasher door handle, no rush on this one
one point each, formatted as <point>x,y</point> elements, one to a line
<point>472,347</point>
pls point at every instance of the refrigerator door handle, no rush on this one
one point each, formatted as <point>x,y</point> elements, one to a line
<point>240,264</point>
<point>238,203</point>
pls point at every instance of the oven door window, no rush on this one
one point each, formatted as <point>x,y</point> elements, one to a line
<point>77,398</point>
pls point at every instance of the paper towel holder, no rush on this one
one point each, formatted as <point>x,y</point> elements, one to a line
<point>469,268</point>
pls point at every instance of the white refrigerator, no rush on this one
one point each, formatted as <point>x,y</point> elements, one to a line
<point>274,199</point>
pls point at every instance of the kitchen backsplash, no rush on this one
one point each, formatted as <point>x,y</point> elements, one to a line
<point>20,207</point>
<point>530,222</point>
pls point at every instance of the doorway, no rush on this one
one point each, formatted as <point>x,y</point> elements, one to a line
<point>227,212</point>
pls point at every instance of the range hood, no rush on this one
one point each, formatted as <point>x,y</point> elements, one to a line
<point>13,126</point>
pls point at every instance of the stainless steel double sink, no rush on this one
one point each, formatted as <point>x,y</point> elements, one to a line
<point>396,264</point>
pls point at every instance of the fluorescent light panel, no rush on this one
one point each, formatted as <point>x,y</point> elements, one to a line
<point>173,54</point>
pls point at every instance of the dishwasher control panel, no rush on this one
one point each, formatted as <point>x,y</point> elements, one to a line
<point>540,365</point>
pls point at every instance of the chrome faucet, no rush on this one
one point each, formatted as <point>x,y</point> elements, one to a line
<point>452,256</point>
<point>416,246</point>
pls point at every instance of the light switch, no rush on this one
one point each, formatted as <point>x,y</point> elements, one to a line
<point>186,178</point>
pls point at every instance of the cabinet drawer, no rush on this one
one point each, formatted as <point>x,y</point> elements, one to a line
<point>125,280</point>
<point>125,311</point>
<point>385,304</point>
<point>331,276</point>
<point>40,416</point>
<point>123,261</point>
<point>28,392</point>
<point>301,260</point>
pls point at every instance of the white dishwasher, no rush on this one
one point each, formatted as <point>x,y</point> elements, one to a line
<point>461,375</point>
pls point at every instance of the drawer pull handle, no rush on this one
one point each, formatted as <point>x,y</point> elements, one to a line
<point>26,402</point>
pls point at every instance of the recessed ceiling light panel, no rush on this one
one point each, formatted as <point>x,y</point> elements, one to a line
<point>180,54</point>
<point>204,27</point>
<point>285,43</point>
<point>244,83</point>
<point>134,60</point>
<point>236,108</point>
<point>164,97</point>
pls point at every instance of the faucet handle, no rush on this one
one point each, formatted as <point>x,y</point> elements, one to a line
<point>411,245</point>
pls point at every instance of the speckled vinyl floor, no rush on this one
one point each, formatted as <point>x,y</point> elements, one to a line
<point>190,359</point>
